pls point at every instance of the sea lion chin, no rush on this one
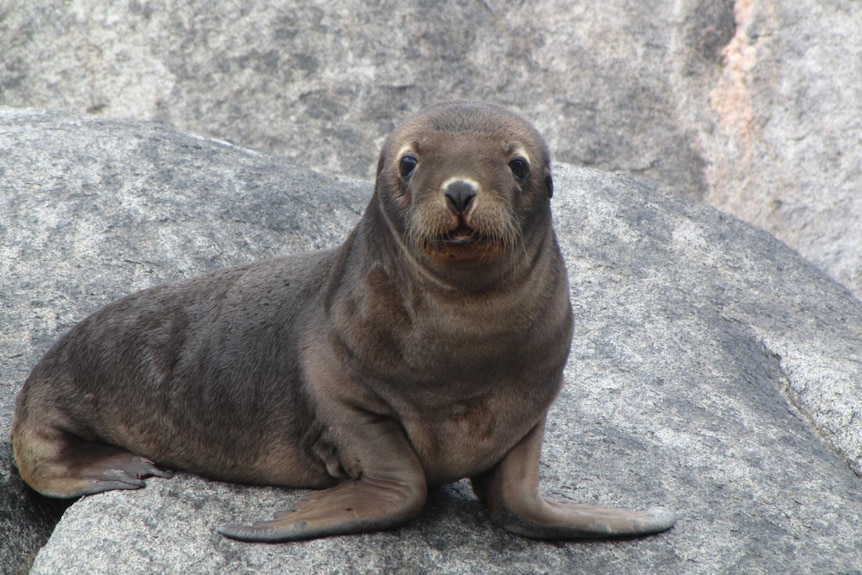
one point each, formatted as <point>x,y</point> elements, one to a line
<point>426,348</point>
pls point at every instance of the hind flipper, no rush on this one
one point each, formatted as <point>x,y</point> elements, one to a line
<point>57,464</point>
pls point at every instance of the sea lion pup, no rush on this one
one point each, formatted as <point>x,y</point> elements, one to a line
<point>426,348</point>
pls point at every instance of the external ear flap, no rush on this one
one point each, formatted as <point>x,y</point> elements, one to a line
<point>549,183</point>
<point>380,163</point>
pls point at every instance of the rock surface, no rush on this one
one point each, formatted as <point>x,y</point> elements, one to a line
<point>784,142</point>
<point>26,519</point>
<point>713,371</point>
<point>752,105</point>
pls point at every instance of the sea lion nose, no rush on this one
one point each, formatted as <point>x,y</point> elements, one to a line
<point>460,194</point>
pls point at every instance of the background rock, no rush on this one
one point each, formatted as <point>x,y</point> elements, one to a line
<point>26,519</point>
<point>754,106</point>
<point>713,371</point>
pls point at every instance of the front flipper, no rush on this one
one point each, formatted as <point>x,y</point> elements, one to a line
<point>511,491</point>
<point>569,521</point>
<point>350,507</point>
<point>388,490</point>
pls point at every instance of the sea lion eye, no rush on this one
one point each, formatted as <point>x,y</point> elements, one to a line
<point>407,164</point>
<point>520,168</point>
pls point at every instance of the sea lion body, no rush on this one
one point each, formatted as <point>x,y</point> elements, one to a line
<point>426,348</point>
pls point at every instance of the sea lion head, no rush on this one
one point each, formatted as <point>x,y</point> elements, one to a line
<point>465,188</point>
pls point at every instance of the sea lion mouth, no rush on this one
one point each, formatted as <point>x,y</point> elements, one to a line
<point>463,235</point>
<point>464,244</point>
<point>482,238</point>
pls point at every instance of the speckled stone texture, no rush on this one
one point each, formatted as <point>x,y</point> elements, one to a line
<point>754,106</point>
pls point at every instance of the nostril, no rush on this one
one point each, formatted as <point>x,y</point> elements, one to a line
<point>459,195</point>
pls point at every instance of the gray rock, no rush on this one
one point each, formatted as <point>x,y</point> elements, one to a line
<point>26,519</point>
<point>755,107</point>
<point>783,138</point>
<point>713,371</point>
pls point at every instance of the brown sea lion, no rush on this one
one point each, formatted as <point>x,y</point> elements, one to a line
<point>426,348</point>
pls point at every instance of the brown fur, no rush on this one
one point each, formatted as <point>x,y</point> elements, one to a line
<point>426,348</point>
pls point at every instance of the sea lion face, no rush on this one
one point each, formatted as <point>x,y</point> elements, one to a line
<point>465,185</point>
